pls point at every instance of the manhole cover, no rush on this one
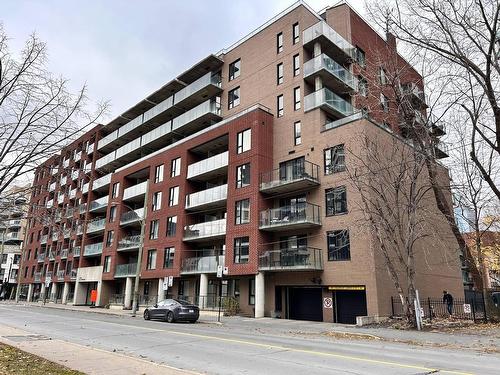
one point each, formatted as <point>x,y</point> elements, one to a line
<point>27,338</point>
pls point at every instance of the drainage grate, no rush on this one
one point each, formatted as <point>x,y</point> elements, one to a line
<point>27,338</point>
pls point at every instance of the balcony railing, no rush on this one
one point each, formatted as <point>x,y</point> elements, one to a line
<point>50,203</point>
<point>37,277</point>
<point>60,275</point>
<point>52,255</point>
<point>69,212</point>
<point>82,208</point>
<point>63,180</point>
<point>135,191</point>
<point>125,270</point>
<point>332,73</point>
<point>72,194</point>
<point>52,186</point>
<point>99,204</point>
<point>441,150</point>
<point>206,264</point>
<point>75,174</point>
<point>85,188</point>
<point>208,165</point>
<point>328,101</point>
<point>216,228</point>
<point>93,249</point>
<point>132,216</point>
<point>292,175</point>
<point>101,182</point>
<point>332,41</point>
<point>72,274</point>
<point>300,215</point>
<point>44,238</point>
<point>41,257</point>
<point>307,258</point>
<point>96,225</point>
<point>76,251</point>
<point>67,232</point>
<point>129,242</point>
<point>208,197</point>
<point>64,253</point>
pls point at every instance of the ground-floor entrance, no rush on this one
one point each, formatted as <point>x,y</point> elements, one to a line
<point>302,303</point>
<point>348,304</point>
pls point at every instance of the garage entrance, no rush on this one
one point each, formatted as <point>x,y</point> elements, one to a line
<point>348,305</point>
<point>304,304</point>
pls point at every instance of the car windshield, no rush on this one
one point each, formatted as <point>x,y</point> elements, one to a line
<point>182,302</point>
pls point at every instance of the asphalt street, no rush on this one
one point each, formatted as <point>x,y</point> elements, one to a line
<point>244,346</point>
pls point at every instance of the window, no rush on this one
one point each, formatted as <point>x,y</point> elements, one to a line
<point>362,86</point>
<point>279,74</point>
<point>233,98</point>
<point>168,257</point>
<point>241,247</point>
<point>279,43</point>
<point>243,175</point>
<point>279,106</point>
<point>173,196</point>
<point>151,263</point>
<point>338,245</point>
<point>382,76</point>
<point>116,190</point>
<point>156,201</point>
<point>296,98</point>
<point>251,292</point>
<point>158,173</point>
<point>336,201</point>
<point>242,215</point>
<point>153,229</point>
<point>295,33</point>
<point>384,102</point>
<point>360,56</point>
<point>175,167</point>
<point>296,65</point>
<point>297,133</point>
<point>109,238</point>
<point>334,159</point>
<point>171,226</point>
<point>112,214</point>
<point>234,69</point>
<point>107,263</point>
<point>244,141</point>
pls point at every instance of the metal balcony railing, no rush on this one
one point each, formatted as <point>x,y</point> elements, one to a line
<point>76,251</point>
<point>93,249</point>
<point>130,242</point>
<point>300,213</point>
<point>60,275</point>
<point>125,270</point>
<point>207,229</point>
<point>64,253</point>
<point>307,258</point>
<point>203,264</point>
<point>206,197</point>
<point>132,216</point>
<point>303,172</point>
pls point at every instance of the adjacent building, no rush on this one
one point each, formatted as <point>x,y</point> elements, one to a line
<point>237,164</point>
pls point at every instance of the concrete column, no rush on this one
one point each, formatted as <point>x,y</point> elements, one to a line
<point>53,291</point>
<point>260,295</point>
<point>318,83</point>
<point>127,304</point>
<point>65,293</point>
<point>161,292</point>
<point>30,293</point>
<point>317,49</point>
<point>203,290</point>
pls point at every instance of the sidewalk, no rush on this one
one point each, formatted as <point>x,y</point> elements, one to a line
<point>82,358</point>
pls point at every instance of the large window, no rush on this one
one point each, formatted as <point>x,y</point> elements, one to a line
<point>295,33</point>
<point>279,43</point>
<point>338,245</point>
<point>175,167</point>
<point>279,106</point>
<point>173,196</point>
<point>251,292</point>
<point>168,260</point>
<point>382,76</point>
<point>384,103</point>
<point>107,263</point>
<point>279,74</point>
<point>116,190</point>
<point>159,173</point>
<point>153,229</point>
<point>171,226</point>
<point>334,159</point>
<point>241,249</point>
<point>151,263</point>
<point>297,133</point>
<point>109,238</point>
<point>296,98</point>
<point>244,141</point>
<point>336,201</point>
<point>242,215</point>
<point>112,214</point>
<point>243,175</point>
<point>360,56</point>
<point>156,205</point>
<point>362,86</point>
<point>296,65</point>
<point>233,98</point>
<point>234,69</point>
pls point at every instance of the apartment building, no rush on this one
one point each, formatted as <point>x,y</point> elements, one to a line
<point>239,162</point>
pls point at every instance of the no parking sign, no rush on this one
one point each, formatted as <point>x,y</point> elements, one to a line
<point>327,303</point>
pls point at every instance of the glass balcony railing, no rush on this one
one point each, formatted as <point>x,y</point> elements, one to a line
<point>125,270</point>
<point>306,258</point>
<point>206,197</point>
<point>93,249</point>
<point>64,253</point>
<point>208,79</point>
<point>107,139</point>
<point>74,175</point>
<point>67,232</point>
<point>298,215</point>
<point>60,199</point>
<point>37,277</point>
<point>72,275</point>
<point>41,257</point>
<point>216,228</point>
<point>135,190</point>
<point>106,159</point>
<point>132,216</point>
<point>328,101</point>
<point>72,194</point>
<point>298,174</point>
<point>63,180</point>
<point>60,275</point>
<point>101,182</point>
<point>326,63</point>
<point>76,251</point>
<point>79,229</point>
<point>69,212</point>
<point>204,264</point>
<point>52,186</point>
<point>414,92</point>
<point>52,255</point>
<point>44,238</point>
<point>207,165</point>
<point>99,203</point>
<point>82,208</point>
<point>90,148</point>
<point>207,107</point>
<point>96,225</point>
<point>85,188</point>
<point>129,242</point>
<point>333,40</point>
<point>50,203</point>
<point>55,234</point>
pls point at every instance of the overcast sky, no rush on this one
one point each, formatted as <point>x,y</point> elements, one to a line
<point>125,50</point>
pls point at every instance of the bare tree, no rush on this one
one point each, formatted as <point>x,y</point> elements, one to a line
<point>38,113</point>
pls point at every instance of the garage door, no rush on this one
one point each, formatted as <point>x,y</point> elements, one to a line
<point>305,304</point>
<point>349,305</point>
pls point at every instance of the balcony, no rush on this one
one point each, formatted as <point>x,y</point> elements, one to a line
<point>67,232</point>
<point>12,236</point>
<point>40,258</point>
<point>332,74</point>
<point>37,277</point>
<point>329,102</point>
<point>125,270</point>
<point>331,42</point>
<point>73,273</point>
<point>65,163</point>
<point>82,208</point>
<point>64,253</point>
<point>63,180</point>
<point>132,217</point>
<point>79,230</point>
<point>291,176</point>
<point>15,223</point>
<point>72,194</point>
<point>52,186</point>
<point>50,203</point>
<point>205,264</point>
<point>60,275</point>
<point>209,198</point>
<point>90,149</point>
<point>76,251</point>
<point>99,205</point>
<point>102,183</point>
<point>60,198</point>
<point>197,118</point>
<point>204,231</point>
<point>437,127</point>
<point>96,226</point>
<point>441,150</point>
<point>210,167</point>
<point>75,174</point>
<point>44,238</point>
<point>415,94</point>
<point>298,216</point>
<point>129,243</point>
<point>69,212</point>
<point>78,155</point>
<point>135,192</point>
<point>85,188</point>
<point>55,235</point>
<point>52,256</point>
<point>93,249</point>
<point>294,259</point>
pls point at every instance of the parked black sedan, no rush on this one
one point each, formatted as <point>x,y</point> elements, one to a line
<point>172,310</point>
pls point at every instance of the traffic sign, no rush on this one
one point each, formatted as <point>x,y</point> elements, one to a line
<point>220,269</point>
<point>328,303</point>
<point>467,308</point>
<point>170,281</point>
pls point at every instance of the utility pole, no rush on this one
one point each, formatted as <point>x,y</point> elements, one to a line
<point>135,302</point>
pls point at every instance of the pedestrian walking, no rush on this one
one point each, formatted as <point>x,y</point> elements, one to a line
<point>448,301</point>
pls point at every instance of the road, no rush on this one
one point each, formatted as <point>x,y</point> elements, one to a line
<point>244,346</point>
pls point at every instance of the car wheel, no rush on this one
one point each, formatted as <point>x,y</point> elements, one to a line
<point>146,315</point>
<point>170,317</point>
<point>193,321</point>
